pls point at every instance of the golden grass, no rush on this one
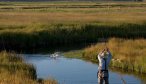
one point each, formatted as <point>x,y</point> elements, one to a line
<point>102,12</point>
<point>42,25</point>
<point>129,55</point>
<point>14,71</point>
<point>48,18</point>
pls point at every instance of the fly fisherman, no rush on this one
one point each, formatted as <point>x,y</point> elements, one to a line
<point>104,58</point>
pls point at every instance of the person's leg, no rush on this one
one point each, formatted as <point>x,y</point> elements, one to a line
<point>106,81</point>
<point>100,79</point>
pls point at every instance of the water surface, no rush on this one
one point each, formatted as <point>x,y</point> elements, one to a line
<point>73,71</point>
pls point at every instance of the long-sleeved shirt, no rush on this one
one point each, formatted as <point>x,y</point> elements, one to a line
<point>102,61</point>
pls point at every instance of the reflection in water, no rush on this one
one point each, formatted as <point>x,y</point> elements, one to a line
<point>74,71</point>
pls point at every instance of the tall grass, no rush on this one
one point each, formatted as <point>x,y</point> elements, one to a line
<point>31,25</point>
<point>37,36</point>
<point>128,55</point>
<point>14,71</point>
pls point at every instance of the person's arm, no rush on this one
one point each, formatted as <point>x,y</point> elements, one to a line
<point>109,57</point>
<point>99,55</point>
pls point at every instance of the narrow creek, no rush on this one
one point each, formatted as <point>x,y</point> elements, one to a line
<point>74,71</point>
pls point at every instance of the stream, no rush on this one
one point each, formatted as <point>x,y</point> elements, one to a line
<point>74,71</point>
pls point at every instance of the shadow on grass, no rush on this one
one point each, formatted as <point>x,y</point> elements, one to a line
<point>59,35</point>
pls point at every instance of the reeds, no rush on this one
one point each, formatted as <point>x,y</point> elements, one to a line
<point>40,35</point>
<point>14,71</point>
<point>128,55</point>
<point>77,23</point>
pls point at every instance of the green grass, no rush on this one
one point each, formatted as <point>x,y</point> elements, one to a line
<point>15,71</point>
<point>32,25</point>
<point>73,54</point>
<point>43,36</point>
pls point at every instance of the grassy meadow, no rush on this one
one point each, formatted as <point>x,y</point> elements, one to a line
<point>29,25</point>
<point>15,71</point>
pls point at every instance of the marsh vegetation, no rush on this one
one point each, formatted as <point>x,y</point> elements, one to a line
<point>32,25</point>
<point>128,55</point>
<point>15,71</point>
<point>56,23</point>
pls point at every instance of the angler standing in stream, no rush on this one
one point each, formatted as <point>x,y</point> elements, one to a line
<point>104,58</point>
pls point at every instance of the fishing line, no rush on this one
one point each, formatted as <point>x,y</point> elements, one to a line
<point>124,82</point>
